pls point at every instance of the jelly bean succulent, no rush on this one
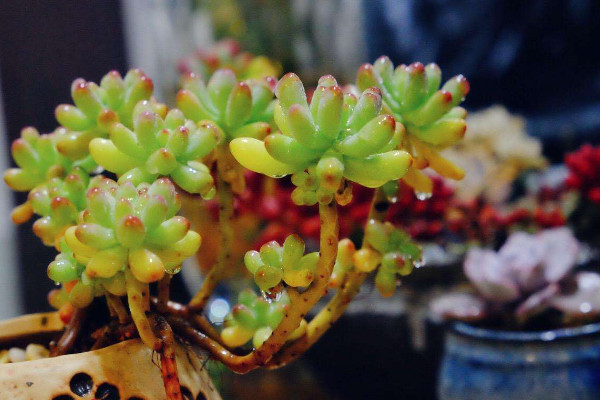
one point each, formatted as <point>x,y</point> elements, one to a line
<point>118,238</point>
<point>97,107</point>
<point>391,250</point>
<point>132,227</point>
<point>529,275</point>
<point>58,202</point>
<point>430,114</point>
<point>38,160</point>
<point>228,54</point>
<point>288,263</point>
<point>154,147</point>
<point>254,318</point>
<point>239,108</point>
<point>56,185</point>
<point>338,136</point>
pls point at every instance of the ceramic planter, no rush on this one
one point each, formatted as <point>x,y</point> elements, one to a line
<point>125,371</point>
<point>558,364</point>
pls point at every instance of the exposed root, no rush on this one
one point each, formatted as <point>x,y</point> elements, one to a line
<point>164,286</point>
<point>71,333</point>
<point>168,364</point>
<point>196,320</point>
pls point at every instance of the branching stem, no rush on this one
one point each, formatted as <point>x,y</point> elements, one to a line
<point>300,304</point>
<point>337,305</point>
<point>225,199</point>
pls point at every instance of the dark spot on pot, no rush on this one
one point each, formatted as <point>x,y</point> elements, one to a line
<point>106,391</point>
<point>63,397</point>
<point>44,321</point>
<point>29,384</point>
<point>201,396</point>
<point>81,384</point>
<point>186,394</point>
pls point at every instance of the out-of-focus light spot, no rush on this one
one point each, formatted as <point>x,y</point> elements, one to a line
<point>218,309</point>
<point>585,308</point>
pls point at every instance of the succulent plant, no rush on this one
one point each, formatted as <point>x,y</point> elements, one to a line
<point>288,263</point>
<point>97,107</point>
<point>55,183</point>
<point>430,114</point>
<point>343,262</point>
<point>58,202</point>
<point>255,318</point>
<point>337,137</point>
<point>37,159</point>
<point>392,250</point>
<point>529,274</point>
<point>128,227</point>
<point>239,108</point>
<point>155,147</point>
<point>79,287</point>
<point>227,54</point>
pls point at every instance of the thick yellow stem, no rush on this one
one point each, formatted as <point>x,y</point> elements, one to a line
<point>225,198</point>
<point>139,304</point>
<point>337,305</point>
<point>300,304</point>
<point>116,305</point>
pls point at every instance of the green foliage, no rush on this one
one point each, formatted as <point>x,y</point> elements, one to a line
<point>253,318</point>
<point>173,147</point>
<point>274,263</point>
<point>239,108</point>
<point>338,135</point>
<point>128,227</point>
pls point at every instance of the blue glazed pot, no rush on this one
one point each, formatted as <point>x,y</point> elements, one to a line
<point>493,365</point>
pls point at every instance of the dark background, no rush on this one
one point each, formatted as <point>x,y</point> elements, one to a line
<point>44,46</point>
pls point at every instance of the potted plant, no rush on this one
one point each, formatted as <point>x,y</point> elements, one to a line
<point>105,190</point>
<point>529,323</point>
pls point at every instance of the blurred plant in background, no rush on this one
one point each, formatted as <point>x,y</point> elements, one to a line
<point>498,149</point>
<point>530,283</point>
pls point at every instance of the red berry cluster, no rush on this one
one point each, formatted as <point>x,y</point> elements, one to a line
<point>422,219</point>
<point>584,172</point>
<point>476,220</point>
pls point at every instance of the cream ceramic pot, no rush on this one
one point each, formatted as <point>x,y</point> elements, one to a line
<point>124,371</point>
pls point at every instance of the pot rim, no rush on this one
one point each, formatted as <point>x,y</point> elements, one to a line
<point>495,335</point>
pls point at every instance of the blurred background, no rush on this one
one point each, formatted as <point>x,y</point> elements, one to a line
<point>539,59</point>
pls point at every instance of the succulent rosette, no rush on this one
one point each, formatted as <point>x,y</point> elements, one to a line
<point>430,114</point>
<point>288,263</point>
<point>338,136</point>
<point>254,318</point>
<point>153,147</point>
<point>58,203</point>
<point>530,274</point>
<point>392,250</point>
<point>239,108</point>
<point>47,174</point>
<point>227,54</point>
<point>37,159</point>
<point>124,227</point>
<point>79,288</point>
<point>97,107</point>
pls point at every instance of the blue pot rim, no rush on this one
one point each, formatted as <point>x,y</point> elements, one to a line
<point>471,331</point>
